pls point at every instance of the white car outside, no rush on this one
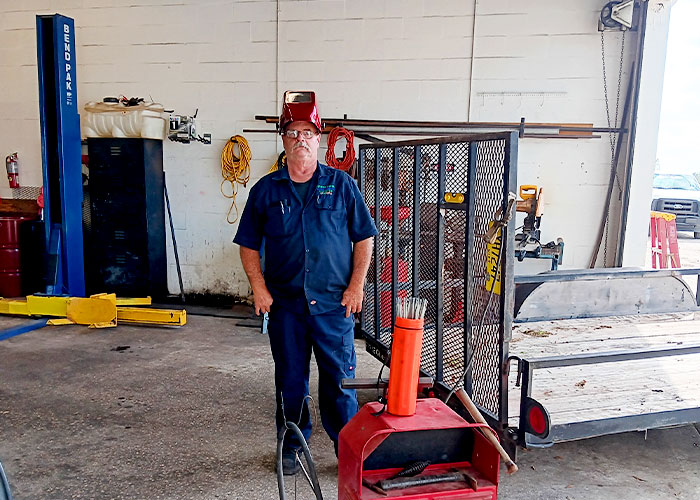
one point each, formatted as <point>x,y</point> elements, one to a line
<point>678,194</point>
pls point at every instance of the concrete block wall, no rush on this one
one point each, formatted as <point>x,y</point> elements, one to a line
<point>375,59</point>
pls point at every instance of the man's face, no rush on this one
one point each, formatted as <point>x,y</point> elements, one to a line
<point>301,148</point>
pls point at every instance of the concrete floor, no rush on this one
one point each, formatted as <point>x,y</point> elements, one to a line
<point>188,414</point>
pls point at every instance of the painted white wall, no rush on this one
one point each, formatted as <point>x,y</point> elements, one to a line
<point>375,59</point>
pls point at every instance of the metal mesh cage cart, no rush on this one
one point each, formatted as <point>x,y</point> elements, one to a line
<point>432,201</point>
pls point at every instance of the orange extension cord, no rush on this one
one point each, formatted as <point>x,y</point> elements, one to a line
<point>346,162</point>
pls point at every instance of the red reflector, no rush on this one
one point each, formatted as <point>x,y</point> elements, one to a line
<point>537,420</point>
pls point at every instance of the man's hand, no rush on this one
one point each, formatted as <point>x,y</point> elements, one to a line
<point>352,300</point>
<point>262,300</point>
<point>261,295</point>
<point>352,297</point>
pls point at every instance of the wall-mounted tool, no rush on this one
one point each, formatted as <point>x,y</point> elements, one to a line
<point>531,204</point>
<point>183,129</point>
<point>12,166</point>
<point>527,243</point>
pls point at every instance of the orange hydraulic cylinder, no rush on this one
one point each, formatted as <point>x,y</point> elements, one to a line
<point>405,366</point>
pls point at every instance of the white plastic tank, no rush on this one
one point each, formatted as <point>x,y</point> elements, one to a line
<point>112,119</point>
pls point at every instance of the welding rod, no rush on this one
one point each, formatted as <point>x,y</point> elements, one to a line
<point>410,308</point>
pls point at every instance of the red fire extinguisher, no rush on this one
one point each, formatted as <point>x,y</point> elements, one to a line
<point>12,166</point>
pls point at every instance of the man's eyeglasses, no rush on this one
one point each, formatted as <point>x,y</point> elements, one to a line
<point>293,134</point>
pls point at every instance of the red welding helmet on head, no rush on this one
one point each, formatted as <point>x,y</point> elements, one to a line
<point>299,106</point>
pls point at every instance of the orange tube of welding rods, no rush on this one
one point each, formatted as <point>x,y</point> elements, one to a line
<point>405,366</point>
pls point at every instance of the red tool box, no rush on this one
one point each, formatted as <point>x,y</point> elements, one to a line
<point>372,449</point>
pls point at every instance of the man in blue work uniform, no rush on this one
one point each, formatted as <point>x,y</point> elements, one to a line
<point>318,236</point>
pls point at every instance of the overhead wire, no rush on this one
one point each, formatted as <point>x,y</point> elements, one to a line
<point>235,169</point>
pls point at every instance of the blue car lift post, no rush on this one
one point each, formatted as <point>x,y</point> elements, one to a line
<point>61,162</point>
<point>61,155</point>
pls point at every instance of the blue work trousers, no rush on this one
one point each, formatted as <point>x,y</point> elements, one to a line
<point>292,338</point>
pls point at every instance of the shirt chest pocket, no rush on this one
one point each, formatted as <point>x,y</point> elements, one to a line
<point>331,213</point>
<point>278,220</point>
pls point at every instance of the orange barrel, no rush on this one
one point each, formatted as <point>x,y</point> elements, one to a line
<point>405,366</point>
<point>10,276</point>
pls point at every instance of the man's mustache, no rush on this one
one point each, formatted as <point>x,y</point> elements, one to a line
<point>301,145</point>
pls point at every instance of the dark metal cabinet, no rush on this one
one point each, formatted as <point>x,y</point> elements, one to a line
<point>126,249</point>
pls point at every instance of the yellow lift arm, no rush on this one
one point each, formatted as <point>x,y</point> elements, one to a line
<point>98,311</point>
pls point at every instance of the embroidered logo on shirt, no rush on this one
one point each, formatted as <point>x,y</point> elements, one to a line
<point>327,189</point>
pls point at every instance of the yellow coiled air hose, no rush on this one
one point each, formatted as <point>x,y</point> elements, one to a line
<point>235,169</point>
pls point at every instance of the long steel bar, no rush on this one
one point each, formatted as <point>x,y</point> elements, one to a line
<point>440,264</point>
<point>363,133</point>
<point>172,236</point>
<point>415,267</point>
<point>361,186</point>
<point>609,357</point>
<point>469,244</point>
<point>507,271</point>
<point>378,241</point>
<point>394,231</point>
<point>444,124</point>
<point>422,284</point>
<point>485,136</point>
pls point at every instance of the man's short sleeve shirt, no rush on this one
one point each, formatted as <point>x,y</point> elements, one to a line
<point>307,243</point>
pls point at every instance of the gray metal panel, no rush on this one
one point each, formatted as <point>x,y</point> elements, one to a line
<point>607,297</point>
<point>601,274</point>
